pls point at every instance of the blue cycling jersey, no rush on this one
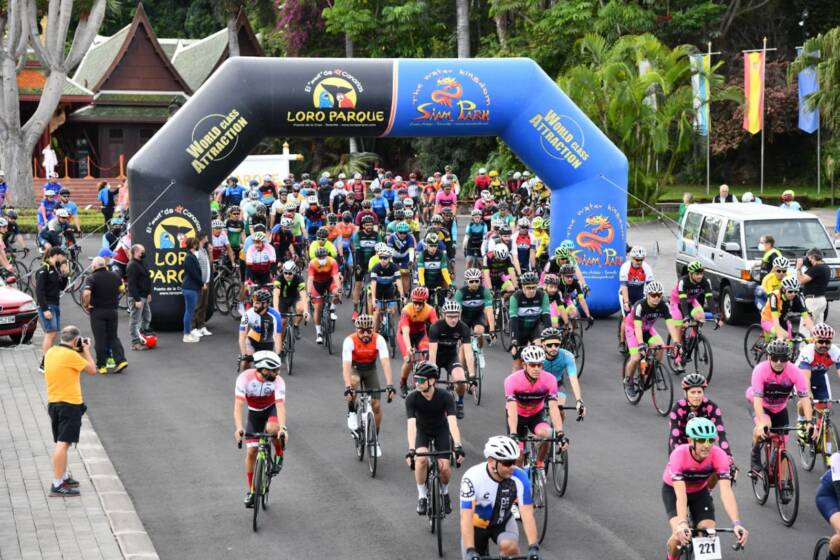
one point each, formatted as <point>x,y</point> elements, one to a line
<point>380,207</point>
<point>401,248</point>
<point>562,366</point>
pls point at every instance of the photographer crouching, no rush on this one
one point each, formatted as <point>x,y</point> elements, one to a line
<point>63,365</point>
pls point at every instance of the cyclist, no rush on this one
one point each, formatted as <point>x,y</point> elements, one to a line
<point>489,491</point>
<point>431,419</point>
<point>690,297</point>
<point>283,240</point>
<point>445,198</point>
<point>448,339</point>
<point>633,275</point>
<point>542,240</point>
<point>529,315</point>
<point>828,502</point>
<point>773,380</point>
<point>477,304</point>
<point>695,405</point>
<point>499,272</point>
<point>562,257</point>
<point>5,263</point>
<point>473,238</point>
<point>13,229</point>
<point>264,393</point>
<point>322,240</point>
<point>685,487</point>
<point>260,260</point>
<point>366,212</point>
<point>220,244</point>
<point>358,369</point>
<point>261,328</point>
<point>573,294</point>
<point>413,325</point>
<point>815,359</point>
<point>487,206</point>
<point>290,295</point>
<point>55,232</point>
<point>313,216</point>
<point>784,304</point>
<point>379,205</point>
<point>772,281</point>
<point>639,331</point>
<point>556,301</point>
<point>433,267</point>
<point>364,246</point>
<point>525,246</point>
<point>384,277</point>
<point>402,245</point>
<point>503,214</point>
<point>560,363</point>
<point>322,278</point>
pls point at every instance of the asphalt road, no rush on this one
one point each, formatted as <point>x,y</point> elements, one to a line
<point>167,426</point>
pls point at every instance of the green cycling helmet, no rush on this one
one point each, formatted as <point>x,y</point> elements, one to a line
<point>701,428</point>
<point>695,266</point>
<point>562,252</point>
<point>403,228</point>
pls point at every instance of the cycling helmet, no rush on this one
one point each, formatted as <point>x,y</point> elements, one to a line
<point>364,322</point>
<point>790,284</point>
<point>385,253</point>
<point>533,354</point>
<point>62,213</point>
<point>254,195</point>
<point>529,279</point>
<point>342,176</point>
<point>420,293</point>
<point>261,209</point>
<point>11,213</point>
<point>324,181</point>
<point>501,448</point>
<point>332,218</point>
<point>562,253</point>
<point>504,230</point>
<point>399,205</point>
<point>538,223</point>
<point>695,266</point>
<point>494,173</point>
<point>451,306</point>
<point>700,428</point>
<point>408,203</point>
<point>486,195</point>
<point>567,270</point>
<point>367,220</point>
<point>290,266</point>
<point>504,205</point>
<point>778,348</point>
<point>426,369</point>
<point>304,176</point>
<point>285,223</point>
<point>551,333</point>
<point>379,247</point>
<point>366,204</point>
<point>409,214</point>
<point>748,197</point>
<point>523,222</point>
<point>475,212</point>
<point>822,330</point>
<point>551,280</point>
<point>403,227</point>
<point>481,171</point>
<point>568,244</point>
<point>3,222</point>
<point>693,380</point>
<point>496,224</point>
<point>113,222</point>
<point>291,206</point>
<point>49,193</point>
<point>217,224</point>
<point>437,219</point>
<point>321,253</point>
<point>259,236</point>
<point>399,215</point>
<point>638,253</point>
<point>501,251</point>
<point>654,287</point>
<point>322,233</point>
<point>262,296</point>
<point>376,190</point>
<point>472,274</point>
<point>312,199</point>
<point>432,239</point>
<point>63,191</point>
<point>346,216</point>
<point>781,262</point>
<point>447,211</point>
<point>266,359</point>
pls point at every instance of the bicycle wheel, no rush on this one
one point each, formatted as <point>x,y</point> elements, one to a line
<point>432,505</point>
<point>670,358</point>
<point>808,452</point>
<point>479,374</point>
<point>266,483</point>
<point>662,392</point>
<point>787,489</point>
<point>290,345</point>
<point>559,469</point>
<point>372,443</point>
<point>232,296</point>
<point>437,511</point>
<point>392,338</point>
<point>259,473</point>
<point>540,500</point>
<point>821,549</point>
<point>359,440</point>
<point>703,360</point>
<point>761,489</point>
<point>576,344</point>
<point>754,344</point>
<point>325,327</point>
<point>831,443</point>
<point>632,397</point>
<point>220,292</point>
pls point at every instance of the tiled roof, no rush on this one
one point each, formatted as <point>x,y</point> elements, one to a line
<point>196,61</point>
<point>139,98</point>
<point>99,58</point>
<point>120,113</point>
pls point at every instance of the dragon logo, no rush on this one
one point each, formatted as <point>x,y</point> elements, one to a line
<point>451,97</point>
<point>591,239</point>
<point>450,90</point>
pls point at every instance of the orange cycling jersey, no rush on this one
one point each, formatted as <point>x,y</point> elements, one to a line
<point>416,319</point>
<point>332,232</point>
<point>364,353</point>
<point>346,230</point>
<point>323,274</point>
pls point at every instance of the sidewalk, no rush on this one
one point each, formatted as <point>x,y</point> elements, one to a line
<point>101,524</point>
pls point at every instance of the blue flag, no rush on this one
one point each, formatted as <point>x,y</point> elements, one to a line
<point>809,120</point>
<point>700,70</point>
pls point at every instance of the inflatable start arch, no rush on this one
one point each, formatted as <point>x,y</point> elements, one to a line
<point>250,98</point>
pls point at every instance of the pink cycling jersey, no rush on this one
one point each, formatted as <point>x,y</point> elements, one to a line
<point>530,397</point>
<point>775,388</point>
<point>259,393</point>
<point>682,466</point>
<point>443,199</point>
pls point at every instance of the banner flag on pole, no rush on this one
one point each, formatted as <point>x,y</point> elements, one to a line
<point>701,68</point>
<point>650,99</point>
<point>809,120</point>
<point>754,91</point>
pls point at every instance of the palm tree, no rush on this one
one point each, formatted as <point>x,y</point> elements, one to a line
<point>350,164</point>
<point>462,8</point>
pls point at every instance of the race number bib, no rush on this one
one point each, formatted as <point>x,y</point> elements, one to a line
<point>706,548</point>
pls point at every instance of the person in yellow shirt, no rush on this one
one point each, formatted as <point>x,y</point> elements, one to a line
<point>321,241</point>
<point>772,281</point>
<point>541,240</point>
<point>63,365</point>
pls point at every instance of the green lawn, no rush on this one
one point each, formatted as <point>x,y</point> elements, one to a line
<point>90,220</point>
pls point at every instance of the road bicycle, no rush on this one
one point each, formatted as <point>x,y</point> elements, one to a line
<point>479,364</point>
<point>365,436</point>
<point>696,351</point>
<point>263,471</point>
<point>327,323</point>
<point>290,335</point>
<point>559,461</point>
<point>435,511</point>
<point>826,440</point>
<point>821,548</point>
<point>501,314</point>
<point>22,274</point>
<point>650,375</point>
<point>572,340</point>
<point>537,477</point>
<point>705,544</point>
<point>756,341</point>
<point>779,471</point>
<point>387,327</point>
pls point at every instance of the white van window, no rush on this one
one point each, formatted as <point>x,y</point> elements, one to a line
<point>710,231</point>
<point>792,236</point>
<point>732,234</point>
<point>692,226</point>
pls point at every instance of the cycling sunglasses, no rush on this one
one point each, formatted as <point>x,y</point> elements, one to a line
<point>552,345</point>
<point>420,380</point>
<point>779,359</point>
<point>654,295</point>
<point>473,281</point>
<point>638,261</point>
<point>365,331</point>
<point>537,365</point>
<point>704,441</point>
<point>825,341</point>
<point>507,463</point>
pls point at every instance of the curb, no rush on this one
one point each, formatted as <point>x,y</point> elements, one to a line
<point>126,525</point>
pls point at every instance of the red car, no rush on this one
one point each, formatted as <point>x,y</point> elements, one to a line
<point>18,314</point>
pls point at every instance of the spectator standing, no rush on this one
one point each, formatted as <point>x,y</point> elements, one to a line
<point>749,197</point>
<point>788,202</point>
<point>62,372</point>
<point>723,195</point>
<point>108,198</point>
<point>50,280</point>
<point>687,199</point>
<point>100,297</point>
<point>191,287</point>
<point>200,316</point>
<point>139,297</point>
<point>767,244</point>
<point>814,275</point>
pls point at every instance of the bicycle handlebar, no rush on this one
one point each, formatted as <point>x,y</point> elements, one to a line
<point>710,532</point>
<point>258,435</point>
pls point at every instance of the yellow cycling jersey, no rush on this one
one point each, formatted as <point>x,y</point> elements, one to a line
<point>771,283</point>
<point>331,250</point>
<point>541,240</point>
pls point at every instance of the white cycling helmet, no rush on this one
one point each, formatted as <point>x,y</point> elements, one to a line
<point>501,448</point>
<point>472,274</point>
<point>312,199</point>
<point>49,192</point>
<point>526,173</point>
<point>217,224</point>
<point>357,176</point>
<point>385,251</point>
<point>62,213</point>
<point>290,266</point>
<point>259,236</point>
<point>638,252</point>
<point>451,306</point>
<point>533,354</point>
<point>266,359</point>
<point>781,262</point>
<point>253,195</point>
<point>791,284</point>
<point>523,222</point>
<point>486,195</point>
<point>501,251</point>
<point>517,175</point>
<point>654,287</point>
<point>379,247</point>
<point>291,206</point>
<point>285,222</point>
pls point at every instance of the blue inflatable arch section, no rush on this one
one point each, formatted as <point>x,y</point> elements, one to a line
<point>248,99</point>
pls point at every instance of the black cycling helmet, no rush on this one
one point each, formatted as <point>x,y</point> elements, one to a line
<point>346,217</point>
<point>262,296</point>
<point>778,348</point>
<point>567,270</point>
<point>322,233</point>
<point>693,380</point>
<point>332,218</point>
<point>367,220</point>
<point>320,252</point>
<point>426,369</point>
<point>551,333</point>
<point>530,279</point>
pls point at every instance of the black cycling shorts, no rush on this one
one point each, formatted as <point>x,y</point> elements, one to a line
<point>478,319</point>
<point>442,440</point>
<point>526,337</point>
<point>447,361</point>
<point>361,270</point>
<point>700,504</point>
<point>257,419</point>
<point>287,304</point>
<point>528,424</point>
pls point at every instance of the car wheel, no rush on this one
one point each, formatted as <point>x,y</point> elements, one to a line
<point>25,336</point>
<point>731,311</point>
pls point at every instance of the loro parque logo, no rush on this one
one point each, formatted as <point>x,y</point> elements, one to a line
<point>335,97</point>
<point>170,228</point>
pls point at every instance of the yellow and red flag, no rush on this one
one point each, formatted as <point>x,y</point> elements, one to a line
<point>754,91</point>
